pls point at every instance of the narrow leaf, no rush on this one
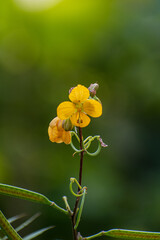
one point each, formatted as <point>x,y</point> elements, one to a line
<point>8,229</point>
<point>23,194</point>
<point>10,220</point>
<point>127,234</point>
<point>28,195</point>
<point>15,218</point>
<point>25,224</point>
<point>1,234</point>
<point>37,233</point>
<point>131,234</point>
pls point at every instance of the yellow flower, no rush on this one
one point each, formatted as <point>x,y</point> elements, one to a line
<point>57,133</point>
<point>79,107</point>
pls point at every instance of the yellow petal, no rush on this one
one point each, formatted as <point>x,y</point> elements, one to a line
<point>66,137</point>
<point>50,134</point>
<point>79,94</point>
<point>54,121</point>
<point>59,125</point>
<point>65,110</point>
<point>54,135</point>
<point>80,119</point>
<point>58,140</point>
<point>93,108</point>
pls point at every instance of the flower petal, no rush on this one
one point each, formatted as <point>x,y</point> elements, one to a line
<point>65,110</point>
<point>79,94</point>
<point>93,108</point>
<point>54,121</point>
<point>59,125</point>
<point>54,135</point>
<point>66,137</point>
<point>80,119</point>
<point>57,133</point>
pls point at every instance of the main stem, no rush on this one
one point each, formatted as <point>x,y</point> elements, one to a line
<point>81,157</point>
<point>75,234</point>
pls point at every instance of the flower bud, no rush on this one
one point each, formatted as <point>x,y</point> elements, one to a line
<point>70,90</point>
<point>67,124</point>
<point>102,143</point>
<point>93,89</point>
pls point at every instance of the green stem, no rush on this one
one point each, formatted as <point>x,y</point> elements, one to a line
<point>53,204</point>
<point>67,205</point>
<point>95,235</point>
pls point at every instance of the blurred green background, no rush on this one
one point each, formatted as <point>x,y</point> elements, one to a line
<point>47,47</point>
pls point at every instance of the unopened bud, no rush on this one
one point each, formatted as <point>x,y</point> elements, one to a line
<point>102,143</point>
<point>93,89</point>
<point>70,90</point>
<point>67,124</point>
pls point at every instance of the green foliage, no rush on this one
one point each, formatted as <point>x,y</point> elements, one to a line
<point>116,43</point>
<point>8,232</point>
<point>24,194</point>
<point>37,233</point>
<point>8,229</point>
<point>126,234</point>
<point>27,195</point>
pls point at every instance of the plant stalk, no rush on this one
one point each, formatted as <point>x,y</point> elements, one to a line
<point>75,234</point>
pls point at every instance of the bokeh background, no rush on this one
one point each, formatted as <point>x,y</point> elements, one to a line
<point>47,47</point>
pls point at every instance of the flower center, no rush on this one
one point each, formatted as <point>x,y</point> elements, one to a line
<point>79,107</point>
<point>79,120</point>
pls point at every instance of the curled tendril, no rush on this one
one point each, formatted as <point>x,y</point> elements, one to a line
<point>86,144</point>
<point>80,193</point>
<point>72,145</point>
<point>96,152</point>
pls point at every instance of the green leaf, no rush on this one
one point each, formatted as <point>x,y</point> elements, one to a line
<point>10,220</point>
<point>1,234</point>
<point>24,194</point>
<point>37,233</point>
<point>15,218</point>
<point>28,195</point>
<point>8,229</point>
<point>25,224</point>
<point>131,234</point>
<point>127,234</point>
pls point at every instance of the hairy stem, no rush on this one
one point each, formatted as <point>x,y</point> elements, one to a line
<point>75,234</point>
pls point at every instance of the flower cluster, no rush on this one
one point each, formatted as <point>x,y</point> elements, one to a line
<point>75,113</point>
